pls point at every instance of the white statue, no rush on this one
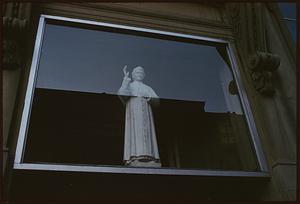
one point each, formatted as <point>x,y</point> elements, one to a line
<point>140,145</point>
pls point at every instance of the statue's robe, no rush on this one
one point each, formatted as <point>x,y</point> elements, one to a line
<point>140,144</point>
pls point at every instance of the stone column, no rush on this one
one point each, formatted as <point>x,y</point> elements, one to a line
<point>268,67</point>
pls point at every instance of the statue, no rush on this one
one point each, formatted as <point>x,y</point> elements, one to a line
<point>140,145</point>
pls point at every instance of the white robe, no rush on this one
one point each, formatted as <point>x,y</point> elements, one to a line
<point>140,137</point>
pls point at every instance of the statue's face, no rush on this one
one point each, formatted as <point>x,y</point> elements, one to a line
<point>138,74</point>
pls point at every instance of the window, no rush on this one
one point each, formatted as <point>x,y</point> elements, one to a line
<point>77,115</point>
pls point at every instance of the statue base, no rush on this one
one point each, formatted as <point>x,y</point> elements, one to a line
<point>143,161</point>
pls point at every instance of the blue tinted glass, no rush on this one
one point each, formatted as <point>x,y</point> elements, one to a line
<point>292,28</point>
<point>288,11</point>
<point>175,70</point>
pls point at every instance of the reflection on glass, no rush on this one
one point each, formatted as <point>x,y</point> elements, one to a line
<point>77,115</point>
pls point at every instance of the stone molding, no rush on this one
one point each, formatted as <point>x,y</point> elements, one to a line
<point>15,25</point>
<point>142,17</point>
<point>283,163</point>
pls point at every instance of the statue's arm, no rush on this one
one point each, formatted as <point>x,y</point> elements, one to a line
<point>124,89</point>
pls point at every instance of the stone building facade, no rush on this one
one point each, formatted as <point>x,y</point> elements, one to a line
<point>265,56</point>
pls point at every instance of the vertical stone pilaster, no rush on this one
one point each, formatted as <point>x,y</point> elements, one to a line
<point>261,63</point>
<point>15,23</point>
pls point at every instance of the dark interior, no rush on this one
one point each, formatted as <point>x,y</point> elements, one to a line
<point>88,128</point>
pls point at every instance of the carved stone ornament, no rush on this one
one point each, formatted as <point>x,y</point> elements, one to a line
<point>262,66</point>
<point>235,14</point>
<point>13,42</point>
<point>15,26</point>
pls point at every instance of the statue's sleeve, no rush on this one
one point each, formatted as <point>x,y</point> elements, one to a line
<point>154,98</point>
<point>153,94</point>
<point>124,89</point>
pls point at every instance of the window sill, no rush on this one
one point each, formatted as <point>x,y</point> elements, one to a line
<point>140,170</point>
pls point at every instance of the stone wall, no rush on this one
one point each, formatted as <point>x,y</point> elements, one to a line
<point>254,29</point>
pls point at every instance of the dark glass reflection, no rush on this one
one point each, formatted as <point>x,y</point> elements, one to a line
<point>78,118</point>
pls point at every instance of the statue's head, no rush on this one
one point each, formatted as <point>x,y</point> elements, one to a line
<point>138,74</point>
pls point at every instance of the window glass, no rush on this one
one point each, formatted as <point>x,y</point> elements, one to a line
<point>80,116</point>
<point>288,11</point>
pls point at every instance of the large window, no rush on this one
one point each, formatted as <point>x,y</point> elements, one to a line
<point>183,109</point>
